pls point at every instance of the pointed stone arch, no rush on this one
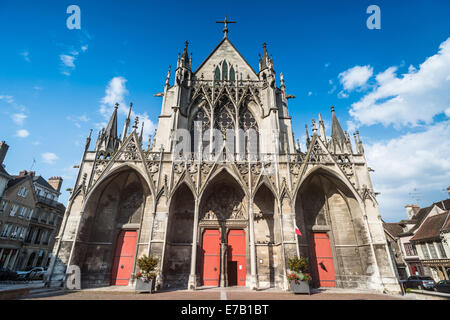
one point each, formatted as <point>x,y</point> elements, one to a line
<point>179,236</point>
<point>326,205</point>
<point>122,200</point>
<point>222,170</point>
<point>267,236</point>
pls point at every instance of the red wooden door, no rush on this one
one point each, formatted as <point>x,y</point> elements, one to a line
<point>123,258</point>
<point>237,253</point>
<point>322,260</point>
<point>211,257</point>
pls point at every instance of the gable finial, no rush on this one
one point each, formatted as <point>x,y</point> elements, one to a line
<point>225,26</point>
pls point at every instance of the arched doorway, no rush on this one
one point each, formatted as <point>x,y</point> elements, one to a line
<point>223,215</point>
<point>332,231</point>
<point>265,210</point>
<point>179,238</point>
<point>108,239</point>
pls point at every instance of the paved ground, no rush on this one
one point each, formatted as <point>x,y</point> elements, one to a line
<point>208,294</point>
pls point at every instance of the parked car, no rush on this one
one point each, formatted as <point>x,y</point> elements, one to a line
<point>37,273</point>
<point>31,273</point>
<point>7,275</point>
<point>442,286</point>
<point>419,282</point>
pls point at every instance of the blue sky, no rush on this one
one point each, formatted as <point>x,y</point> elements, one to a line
<point>392,84</point>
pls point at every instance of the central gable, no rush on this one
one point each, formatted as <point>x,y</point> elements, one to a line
<point>225,51</point>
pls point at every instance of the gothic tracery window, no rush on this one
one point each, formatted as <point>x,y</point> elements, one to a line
<point>248,124</point>
<point>200,123</point>
<point>224,117</point>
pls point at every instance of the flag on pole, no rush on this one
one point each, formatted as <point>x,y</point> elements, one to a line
<point>297,231</point>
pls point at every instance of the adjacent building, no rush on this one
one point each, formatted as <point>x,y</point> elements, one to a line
<point>420,245</point>
<point>432,248</point>
<point>30,216</point>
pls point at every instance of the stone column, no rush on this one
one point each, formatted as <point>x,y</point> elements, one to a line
<point>193,275</point>
<point>5,265</point>
<point>14,259</point>
<point>253,275</point>
<point>445,273</point>
<point>223,280</point>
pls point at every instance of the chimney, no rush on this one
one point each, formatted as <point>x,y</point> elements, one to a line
<point>24,173</point>
<point>56,183</point>
<point>411,210</point>
<point>3,150</point>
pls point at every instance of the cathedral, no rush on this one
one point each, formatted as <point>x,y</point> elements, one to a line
<point>223,195</point>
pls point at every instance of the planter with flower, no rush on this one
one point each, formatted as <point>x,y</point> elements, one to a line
<point>145,279</point>
<point>298,275</point>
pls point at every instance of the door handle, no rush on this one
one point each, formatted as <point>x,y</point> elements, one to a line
<point>215,269</point>
<point>121,267</point>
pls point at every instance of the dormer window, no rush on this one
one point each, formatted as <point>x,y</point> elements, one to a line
<point>22,192</point>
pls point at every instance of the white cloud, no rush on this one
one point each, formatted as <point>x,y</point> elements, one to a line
<point>355,77</point>
<point>411,99</point>
<point>413,161</point>
<point>309,93</point>
<point>7,99</point>
<point>387,75</point>
<point>19,118</point>
<point>49,157</point>
<point>115,93</point>
<point>22,133</point>
<point>67,60</point>
<point>84,48</point>
<point>26,56</point>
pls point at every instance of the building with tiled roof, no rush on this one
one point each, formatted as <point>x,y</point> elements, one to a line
<point>434,251</point>
<point>423,240</point>
<point>30,217</point>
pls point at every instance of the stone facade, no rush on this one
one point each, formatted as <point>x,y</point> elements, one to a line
<point>170,201</point>
<point>29,221</point>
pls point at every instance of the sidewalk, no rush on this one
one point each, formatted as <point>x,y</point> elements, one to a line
<point>213,293</point>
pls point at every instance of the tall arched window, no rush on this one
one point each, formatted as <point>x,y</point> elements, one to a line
<point>248,124</point>
<point>224,70</point>
<point>217,74</point>
<point>232,75</point>
<point>203,123</point>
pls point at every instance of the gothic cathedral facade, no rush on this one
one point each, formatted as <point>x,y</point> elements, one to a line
<point>228,220</point>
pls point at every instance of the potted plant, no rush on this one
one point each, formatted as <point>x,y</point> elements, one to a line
<point>298,276</point>
<point>145,279</point>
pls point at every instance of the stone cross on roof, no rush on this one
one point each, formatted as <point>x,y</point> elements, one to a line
<point>225,26</point>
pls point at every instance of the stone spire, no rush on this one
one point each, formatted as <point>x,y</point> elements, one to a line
<point>184,61</point>
<point>308,140</point>
<point>88,141</point>
<point>168,78</point>
<point>322,129</point>
<point>142,132</point>
<point>265,61</point>
<point>338,141</point>
<point>127,123</point>
<point>108,137</point>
